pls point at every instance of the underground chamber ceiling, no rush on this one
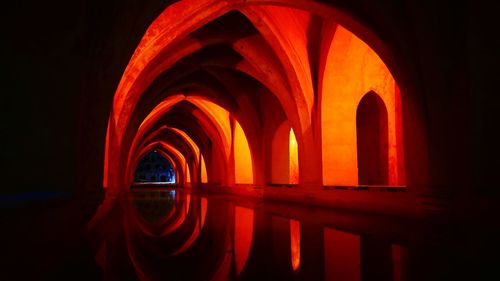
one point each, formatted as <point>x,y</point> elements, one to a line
<point>248,93</point>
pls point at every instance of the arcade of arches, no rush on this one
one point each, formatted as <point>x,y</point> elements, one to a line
<point>249,140</point>
<point>265,96</point>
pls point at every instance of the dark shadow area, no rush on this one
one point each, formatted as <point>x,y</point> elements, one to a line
<point>372,141</point>
<point>43,237</point>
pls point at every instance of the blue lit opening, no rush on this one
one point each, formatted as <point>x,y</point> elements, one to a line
<point>154,168</point>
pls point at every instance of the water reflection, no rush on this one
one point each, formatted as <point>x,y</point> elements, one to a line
<point>153,206</point>
<point>178,235</point>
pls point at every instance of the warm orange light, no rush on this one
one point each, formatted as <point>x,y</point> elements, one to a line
<point>295,243</point>
<point>219,117</point>
<point>187,173</point>
<point>146,125</point>
<point>204,205</point>
<point>294,159</point>
<point>292,48</point>
<point>217,114</point>
<point>243,235</point>
<point>147,62</point>
<point>352,69</point>
<point>161,108</point>
<point>141,70</point>
<point>204,178</point>
<point>348,69</point>
<point>188,139</point>
<point>243,170</point>
<point>188,203</point>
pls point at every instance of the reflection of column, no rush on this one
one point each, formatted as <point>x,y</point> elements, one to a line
<point>282,267</point>
<point>311,252</point>
<point>399,262</point>
<point>342,258</point>
<point>243,234</point>
<point>295,243</point>
<point>376,259</point>
<point>261,261</point>
<point>270,252</point>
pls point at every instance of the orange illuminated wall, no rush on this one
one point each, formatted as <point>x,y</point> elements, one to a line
<point>203,168</point>
<point>351,70</point>
<point>348,69</point>
<point>294,159</point>
<point>187,173</point>
<point>189,141</point>
<point>243,170</point>
<point>219,117</point>
<point>295,243</point>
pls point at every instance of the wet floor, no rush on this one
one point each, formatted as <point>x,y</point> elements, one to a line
<point>178,235</point>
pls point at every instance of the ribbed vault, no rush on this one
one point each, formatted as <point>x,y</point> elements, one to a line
<point>228,81</point>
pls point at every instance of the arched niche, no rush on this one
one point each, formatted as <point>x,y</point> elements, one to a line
<point>372,141</point>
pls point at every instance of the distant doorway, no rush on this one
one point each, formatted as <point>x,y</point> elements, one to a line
<point>372,141</point>
<point>153,167</point>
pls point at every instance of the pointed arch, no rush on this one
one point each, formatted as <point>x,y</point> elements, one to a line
<point>372,141</point>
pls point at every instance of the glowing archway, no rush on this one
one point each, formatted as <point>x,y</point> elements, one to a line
<point>304,54</point>
<point>352,69</point>
<point>243,166</point>
<point>294,159</point>
<point>203,168</point>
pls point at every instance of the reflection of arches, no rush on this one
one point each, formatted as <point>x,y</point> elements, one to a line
<point>372,140</point>
<point>243,236</point>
